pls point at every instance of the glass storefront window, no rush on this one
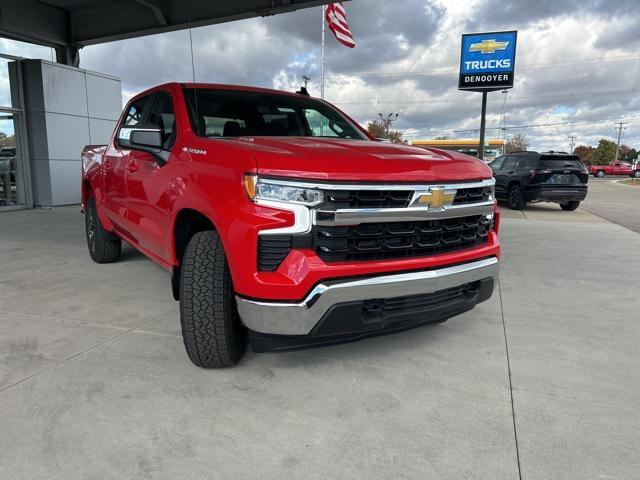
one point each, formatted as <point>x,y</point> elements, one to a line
<point>11,174</point>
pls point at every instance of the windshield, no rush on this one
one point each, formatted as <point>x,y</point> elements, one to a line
<point>235,113</point>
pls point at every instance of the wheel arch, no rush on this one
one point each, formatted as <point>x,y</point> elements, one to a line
<point>187,223</point>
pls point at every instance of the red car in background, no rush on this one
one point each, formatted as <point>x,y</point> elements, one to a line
<point>615,168</point>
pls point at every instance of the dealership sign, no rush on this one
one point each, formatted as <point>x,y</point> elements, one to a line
<point>487,61</point>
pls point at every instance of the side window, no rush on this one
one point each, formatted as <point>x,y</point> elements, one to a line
<point>509,163</point>
<point>526,163</point>
<point>497,163</point>
<point>161,115</point>
<point>135,114</point>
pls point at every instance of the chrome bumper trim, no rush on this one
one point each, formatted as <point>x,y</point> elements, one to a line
<point>279,318</point>
<point>378,186</point>
<point>364,215</point>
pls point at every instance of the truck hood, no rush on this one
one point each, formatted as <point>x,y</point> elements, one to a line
<point>354,160</point>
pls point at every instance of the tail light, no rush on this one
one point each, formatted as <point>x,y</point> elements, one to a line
<point>540,171</point>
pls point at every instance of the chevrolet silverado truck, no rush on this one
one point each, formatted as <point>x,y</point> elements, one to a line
<point>615,168</point>
<point>284,224</point>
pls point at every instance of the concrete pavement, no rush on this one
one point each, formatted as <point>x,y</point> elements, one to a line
<point>94,381</point>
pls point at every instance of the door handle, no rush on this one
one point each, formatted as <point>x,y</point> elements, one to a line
<point>510,172</point>
<point>132,167</point>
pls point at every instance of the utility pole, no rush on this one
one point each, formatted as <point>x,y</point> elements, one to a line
<point>620,128</point>
<point>306,79</point>
<point>573,142</point>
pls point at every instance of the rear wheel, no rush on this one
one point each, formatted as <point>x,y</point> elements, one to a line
<point>569,206</point>
<point>212,332</point>
<point>636,174</point>
<point>600,173</point>
<point>516,198</point>
<point>104,247</point>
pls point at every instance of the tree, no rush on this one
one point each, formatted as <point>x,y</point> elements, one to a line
<point>586,154</point>
<point>381,129</point>
<point>605,152</point>
<point>517,143</point>
<point>628,154</point>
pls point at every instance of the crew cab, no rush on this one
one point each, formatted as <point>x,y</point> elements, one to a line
<point>615,168</point>
<point>284,224</point>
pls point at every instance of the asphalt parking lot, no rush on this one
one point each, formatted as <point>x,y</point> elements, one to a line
<point>540,382</point>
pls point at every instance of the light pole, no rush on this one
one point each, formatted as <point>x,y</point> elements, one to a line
<point>387,121</point>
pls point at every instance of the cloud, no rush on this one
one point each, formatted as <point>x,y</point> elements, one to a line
<point>578,63</point>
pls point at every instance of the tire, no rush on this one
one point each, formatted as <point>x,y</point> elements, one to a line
<point>569,206</point>
<point>516,198</point>
<point>599,173</point>
<point>104,247</point>
<point>212,332</point>
<point>636,174</point>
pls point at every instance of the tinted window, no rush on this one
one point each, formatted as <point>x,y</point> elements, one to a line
<point>527,162</point>
<point>161,115</point>
<point>497,163</point>
<point>553,163</point>
<point>230,113</point>
<point>509,163</point>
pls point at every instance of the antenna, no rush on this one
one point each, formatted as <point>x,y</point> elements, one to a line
<point>193,65</point>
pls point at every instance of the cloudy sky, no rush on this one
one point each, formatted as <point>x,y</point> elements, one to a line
<point>577,70</point>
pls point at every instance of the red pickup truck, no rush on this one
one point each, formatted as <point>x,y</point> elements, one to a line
<point>284,224</point>
<point>615,168</point>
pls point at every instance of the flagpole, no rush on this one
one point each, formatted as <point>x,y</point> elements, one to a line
<point>324,9</point>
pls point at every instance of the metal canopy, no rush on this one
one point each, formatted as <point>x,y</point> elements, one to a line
<point>68,25</point>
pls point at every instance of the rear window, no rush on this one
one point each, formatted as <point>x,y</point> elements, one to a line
<point>553,163</point>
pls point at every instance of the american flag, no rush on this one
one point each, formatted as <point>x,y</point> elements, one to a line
<point>337,20</point>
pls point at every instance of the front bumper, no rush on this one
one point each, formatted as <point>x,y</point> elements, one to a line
<point>300,319</point>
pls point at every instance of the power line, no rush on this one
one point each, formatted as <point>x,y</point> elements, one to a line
<point>462,100</point>
<point>522,127</point>
<point>449,69</point>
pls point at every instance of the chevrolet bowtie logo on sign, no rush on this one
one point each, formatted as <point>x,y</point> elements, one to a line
<point>487,61</point>
<point>488,46</point>
<point>436,197</point>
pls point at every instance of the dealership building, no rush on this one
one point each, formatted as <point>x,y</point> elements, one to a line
<point>51,109</point>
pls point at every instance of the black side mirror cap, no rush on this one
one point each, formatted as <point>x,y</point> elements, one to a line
<point>146,139</point>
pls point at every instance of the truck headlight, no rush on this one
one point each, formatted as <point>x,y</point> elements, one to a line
<point>276,191</point>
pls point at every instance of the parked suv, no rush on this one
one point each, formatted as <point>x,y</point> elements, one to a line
<point>523,177</point>
<point>284,222</point>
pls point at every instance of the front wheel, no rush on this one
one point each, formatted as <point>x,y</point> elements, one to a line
<point>516,198</point>
<point>600,173</point>
<point>636,174</point>
<point>569,206</point>
<point>104,247</point>
<point>212,332</point>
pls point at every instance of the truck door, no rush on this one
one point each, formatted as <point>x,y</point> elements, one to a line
<point>149,186</point>
<point>115,162</point>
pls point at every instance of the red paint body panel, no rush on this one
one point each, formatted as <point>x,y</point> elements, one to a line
<point>613,168</point>
<point>140,201</point>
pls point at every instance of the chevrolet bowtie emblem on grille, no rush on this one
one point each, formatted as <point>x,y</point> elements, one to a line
<point>436,197</point>
<point>488,46</point>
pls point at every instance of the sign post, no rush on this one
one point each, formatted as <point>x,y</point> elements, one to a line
<point>487,63</point>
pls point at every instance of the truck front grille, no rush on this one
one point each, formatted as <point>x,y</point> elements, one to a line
<point>381,241</point>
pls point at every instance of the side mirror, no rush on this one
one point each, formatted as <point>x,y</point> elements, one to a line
<point>146,139</point>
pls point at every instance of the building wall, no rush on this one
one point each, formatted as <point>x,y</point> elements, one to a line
<point>66,109</point>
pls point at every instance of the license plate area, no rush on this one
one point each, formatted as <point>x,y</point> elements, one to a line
<point>562,179</point>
